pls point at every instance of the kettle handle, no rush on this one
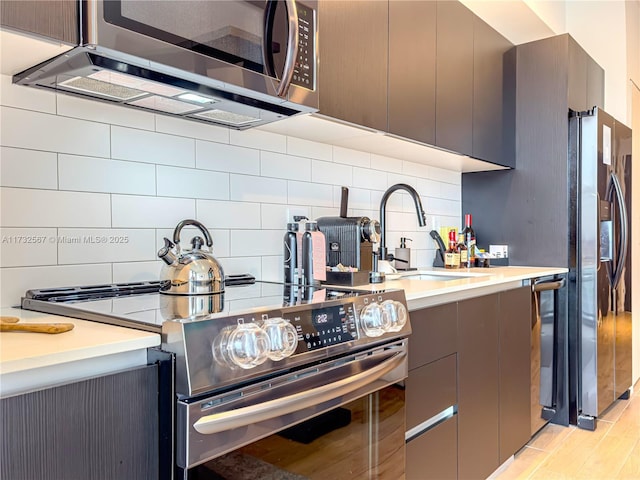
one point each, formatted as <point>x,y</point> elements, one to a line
<point>195,223</point>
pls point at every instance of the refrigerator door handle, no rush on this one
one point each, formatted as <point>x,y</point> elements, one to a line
<point>624,231</point>
<point>623,240</point>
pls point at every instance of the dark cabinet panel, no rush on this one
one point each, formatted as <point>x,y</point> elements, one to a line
<point>454,77</point>
<point>430,389</point>
<point>56,19</point>
<point>434,334</point>
<point>412,70</point>
<point>102,428</point>
<point>576,76</point>
<point>490,108</point>
<point>432,455</point>
<point>478,387</point>
<point>354,55</point>
<point>595,84</point>
<point>515,370</point>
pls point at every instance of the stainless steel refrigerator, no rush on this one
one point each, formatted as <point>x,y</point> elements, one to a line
<point>600,297</point>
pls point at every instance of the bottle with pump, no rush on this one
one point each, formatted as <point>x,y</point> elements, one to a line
<point>452,256</point>
<point>402,255</point>
<point>291,254</point>
<point>469,238</point>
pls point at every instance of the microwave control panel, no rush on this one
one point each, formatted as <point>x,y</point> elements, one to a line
<point>305,67</point>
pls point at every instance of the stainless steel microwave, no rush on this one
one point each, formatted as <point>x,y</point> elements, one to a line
<point>238,63</point>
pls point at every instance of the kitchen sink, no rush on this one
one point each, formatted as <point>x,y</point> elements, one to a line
<point>433,276</point>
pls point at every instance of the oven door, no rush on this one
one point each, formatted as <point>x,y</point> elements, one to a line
<point>345,415</point>
<point>266,46</point>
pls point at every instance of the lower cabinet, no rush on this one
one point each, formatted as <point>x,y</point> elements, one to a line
<point>433,454</point>
<point>474,355</point>
<point>101,428</point>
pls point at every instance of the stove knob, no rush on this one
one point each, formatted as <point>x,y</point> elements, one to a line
<point>397,314</point>
<point>374,320</point>
<point>283,338</point>
<point>247,345</point>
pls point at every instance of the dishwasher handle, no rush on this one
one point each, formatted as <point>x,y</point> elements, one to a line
<point>544,285</point>
<point>241,417</point>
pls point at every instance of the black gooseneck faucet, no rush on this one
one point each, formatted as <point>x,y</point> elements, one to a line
<point>422,220</point>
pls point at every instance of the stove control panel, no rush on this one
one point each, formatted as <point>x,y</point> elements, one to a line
<point>322,327</point>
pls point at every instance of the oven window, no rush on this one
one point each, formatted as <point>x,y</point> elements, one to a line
<point>230,31</point>
<point>362,439</point>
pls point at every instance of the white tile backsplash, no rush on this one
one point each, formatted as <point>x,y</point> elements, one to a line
<point>192,183</point>
<point>217,214</point>
<point>245,243</point>
<point>131,211</point>
<point>28,168</point>
<point>245,188</point>
<point>227,158</point>
<point>371,179</point>
<point>72,106</point>
<point>309,149</point>
<point>258,139</point>
<point>51,133</point>
<point>191,129</point>
<point>77,246</point>
<point>93,169</point>
<point>351,157</point>
<point>90,174</point>
<point>16,281</point>
<point>22,207</point>
<point>24,97</point>
<point>21,247</point>
<point>304,193</point>
<point>331,173</point>
<point>278,165</point>
<point>136,271</point>
<point>151,147</point>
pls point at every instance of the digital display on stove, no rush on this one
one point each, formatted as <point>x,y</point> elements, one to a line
<point>323,327</point>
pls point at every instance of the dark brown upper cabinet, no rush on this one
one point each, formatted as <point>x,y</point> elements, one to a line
<point>493,110</point>
<point>57,19</point>
<point>354,49</point>
<point>412,70</point>
<point>454,77</point>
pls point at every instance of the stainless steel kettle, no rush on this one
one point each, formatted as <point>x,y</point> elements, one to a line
<point>194,272</point>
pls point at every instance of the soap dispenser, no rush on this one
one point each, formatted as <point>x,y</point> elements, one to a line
<point>402,255</point>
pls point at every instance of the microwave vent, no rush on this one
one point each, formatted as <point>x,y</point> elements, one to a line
<point>228,118</point>
<point>110,90</point>
<point>167,105</point>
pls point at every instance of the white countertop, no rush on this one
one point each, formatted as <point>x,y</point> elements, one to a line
<point>32,360</point>
<point>35,360</point>
<point>473,282</point>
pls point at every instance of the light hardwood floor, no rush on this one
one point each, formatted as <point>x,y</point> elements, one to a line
<point>611,452</point>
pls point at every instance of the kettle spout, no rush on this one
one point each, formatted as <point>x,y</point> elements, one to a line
<point>166,254</point>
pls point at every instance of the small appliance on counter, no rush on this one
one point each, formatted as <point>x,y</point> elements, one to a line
<point>349,240</point>
<point>194,272</point>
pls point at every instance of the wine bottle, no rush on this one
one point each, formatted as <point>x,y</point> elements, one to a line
<point>464,252</point>
<point>452,256</point>
<point>469,238</point>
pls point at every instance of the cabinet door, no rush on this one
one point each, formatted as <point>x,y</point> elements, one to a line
<point>412,70</point>
<point>489,140</point>
<point>102,428</point>
<point>515,370</point>
<point>434,334</point>
<point>430,390</point>
<point>354,55</point>
<point>454,77</point>
<point>478,384</point>
<point>432,455</point>
<point>56,19</point>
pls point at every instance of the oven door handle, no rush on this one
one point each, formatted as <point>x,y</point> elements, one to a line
<point>242,417</point>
